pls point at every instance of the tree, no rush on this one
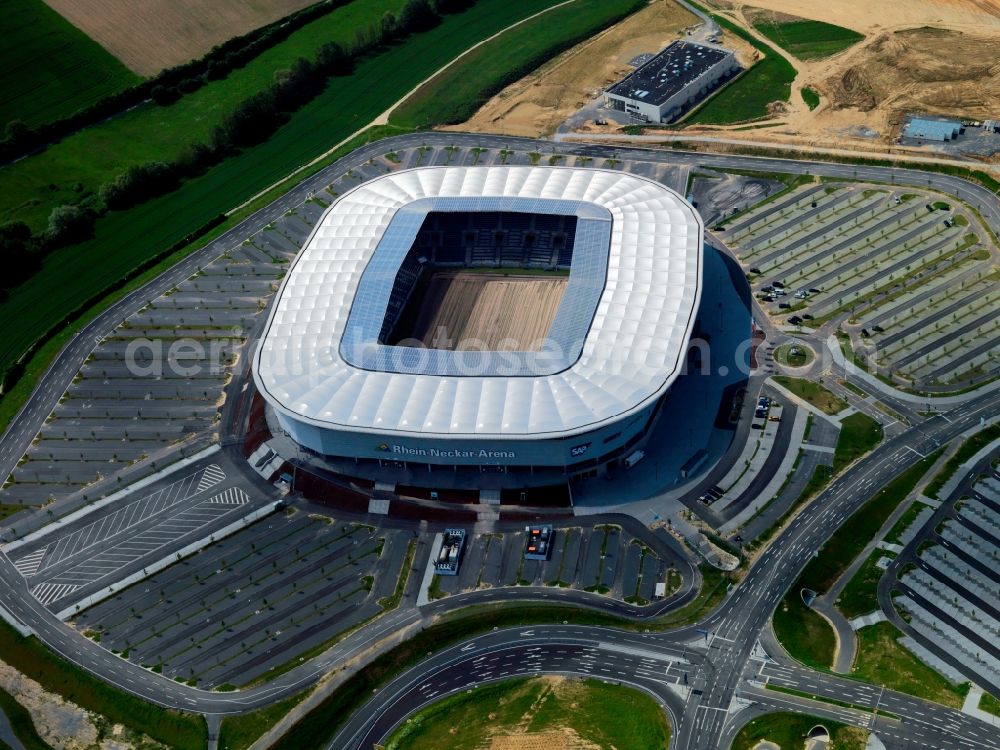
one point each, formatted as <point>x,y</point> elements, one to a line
<point>418,15</point>
<point>444,7</point>
<point>17,252</point>
<point>16,131</point>
<point>332,59</point>
<point>68,224</point>
<point>164,95</point>
<point>388,26</point>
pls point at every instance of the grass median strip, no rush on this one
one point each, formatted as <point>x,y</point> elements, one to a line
<point>319,725</point>
<point>805,634</point>
<point>832,701</point>
<point>859,433</point>
<point>965,451</point>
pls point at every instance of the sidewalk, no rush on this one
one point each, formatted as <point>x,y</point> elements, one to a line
<point>833,346</point>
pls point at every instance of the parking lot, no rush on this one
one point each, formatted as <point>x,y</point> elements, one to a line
<point>952,598</point>
<point>255,600</point>
<point>602,559</point>
<point>910,277</point>
<point>155,383</point>
<point>89,553</point>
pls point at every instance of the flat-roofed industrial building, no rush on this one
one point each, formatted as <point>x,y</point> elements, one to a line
<point>932,130</point>
<point>669,83</point>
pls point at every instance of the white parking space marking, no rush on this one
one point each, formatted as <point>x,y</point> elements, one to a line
<point>50,592</point>
<point>28,564</point>
<point>125,518</point>
<point>231,496</point>
<point>212,476</point>
<point>112,560</point>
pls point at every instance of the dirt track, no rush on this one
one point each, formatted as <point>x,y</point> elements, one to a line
<point>463,311</point>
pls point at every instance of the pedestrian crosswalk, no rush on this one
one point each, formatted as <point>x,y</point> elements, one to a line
<point>50,592</point>
<point>230,496</point>
<point>28,564</point>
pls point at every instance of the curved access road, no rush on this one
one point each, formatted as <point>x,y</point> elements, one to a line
<point>737,621</point>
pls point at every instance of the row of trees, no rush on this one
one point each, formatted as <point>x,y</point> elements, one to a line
<point>167,86</point>
<point>252,121</point>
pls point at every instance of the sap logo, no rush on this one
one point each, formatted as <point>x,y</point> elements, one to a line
<point>578,450</point>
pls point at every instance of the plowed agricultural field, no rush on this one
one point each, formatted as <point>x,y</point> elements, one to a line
<point>152,35</point>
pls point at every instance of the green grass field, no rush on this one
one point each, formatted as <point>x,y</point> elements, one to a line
<point>124,239</point>
<point>881,660</point>
<point>809,40</point>
<point>859,433</point>
<point>747,97</point>
<point>456,94</point>
<point>805,634</point>
<point>32,187</point>
<point>810,96</point>
<point>50,69</point>
<point>859,595</point>
<point>812,392</point>
<point>789,731</point>
<point>603,714</point>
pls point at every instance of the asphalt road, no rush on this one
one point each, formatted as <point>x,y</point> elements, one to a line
<point>735,625</point>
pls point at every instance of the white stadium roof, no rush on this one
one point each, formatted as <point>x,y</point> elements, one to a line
<point>633,349</point>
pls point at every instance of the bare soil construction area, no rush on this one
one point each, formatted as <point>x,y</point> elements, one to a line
<point>462,311</point>
<point>927,56</point>
<point>156,34</point>
<point>930,70</point>
<point>539,102</point>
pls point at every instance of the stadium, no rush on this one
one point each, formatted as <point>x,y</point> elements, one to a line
<point>450,321</point>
